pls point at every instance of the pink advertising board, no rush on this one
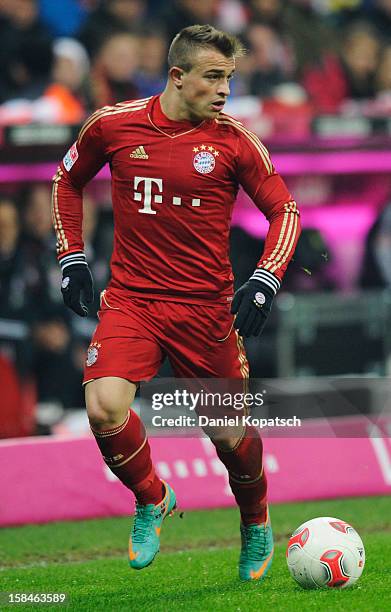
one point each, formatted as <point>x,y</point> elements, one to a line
<point>48,479</point>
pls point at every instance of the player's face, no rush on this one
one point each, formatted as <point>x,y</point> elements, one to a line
<point>206,87</point>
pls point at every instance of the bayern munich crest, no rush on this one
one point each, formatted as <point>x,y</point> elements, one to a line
<point>92,354</point>
<point>259,298</point>
<point>204,159</point>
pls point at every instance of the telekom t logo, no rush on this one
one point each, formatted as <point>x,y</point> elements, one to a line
<point>156,198</point>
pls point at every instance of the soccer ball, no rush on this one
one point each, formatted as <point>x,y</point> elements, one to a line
<point>325,552</point>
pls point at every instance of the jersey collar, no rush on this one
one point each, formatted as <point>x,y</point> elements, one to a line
<point>168,127</point>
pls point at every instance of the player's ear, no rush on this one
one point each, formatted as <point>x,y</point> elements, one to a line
<point>176,75</point>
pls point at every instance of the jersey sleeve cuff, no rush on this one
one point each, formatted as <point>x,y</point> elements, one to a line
<point>266,277</point>
<point>76,258</point>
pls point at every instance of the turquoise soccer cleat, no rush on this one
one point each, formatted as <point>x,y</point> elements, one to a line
<point>144,541</point>
<point>257,550</point>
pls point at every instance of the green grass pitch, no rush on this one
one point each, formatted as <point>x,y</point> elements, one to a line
<point>197,566</point>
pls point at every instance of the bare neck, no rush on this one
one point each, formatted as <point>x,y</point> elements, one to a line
<point>173,107</point>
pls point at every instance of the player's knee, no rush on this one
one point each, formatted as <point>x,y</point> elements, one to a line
<point>100,414</point>
<point>226,441</point>
<point>103,409</point>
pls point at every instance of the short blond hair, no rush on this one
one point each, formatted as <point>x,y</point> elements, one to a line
<point>194,38</point>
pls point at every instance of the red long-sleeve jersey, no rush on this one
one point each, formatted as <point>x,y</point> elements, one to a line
<point>174,185</point>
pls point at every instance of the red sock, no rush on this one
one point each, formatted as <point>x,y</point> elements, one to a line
<point>247,477</point>
<point>126,451</point>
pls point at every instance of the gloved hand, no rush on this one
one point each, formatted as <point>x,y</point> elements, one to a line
<point>77,285</point>
<point>252,303</point>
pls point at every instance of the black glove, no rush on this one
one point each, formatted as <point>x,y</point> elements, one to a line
<point>252,303</point>
<point>76,282</point>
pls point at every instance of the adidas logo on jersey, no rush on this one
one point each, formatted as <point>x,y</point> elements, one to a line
<point>139,153</point>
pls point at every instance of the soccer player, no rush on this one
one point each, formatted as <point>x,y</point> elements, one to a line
<point>176,162</point>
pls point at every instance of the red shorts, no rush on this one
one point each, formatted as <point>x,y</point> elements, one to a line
<point>134,336</point>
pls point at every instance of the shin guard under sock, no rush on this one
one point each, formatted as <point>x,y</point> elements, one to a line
<point>126,452</point>
<point>247,477</point>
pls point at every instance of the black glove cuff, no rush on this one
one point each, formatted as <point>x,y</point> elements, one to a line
<point>267,278</point>
<point>78,258</point>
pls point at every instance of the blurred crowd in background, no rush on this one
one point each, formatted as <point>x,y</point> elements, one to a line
<point>61,61</point>
<point>53,348</point>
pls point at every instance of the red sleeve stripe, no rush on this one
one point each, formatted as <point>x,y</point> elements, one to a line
<point>254,138</point>
<point>289,249</point>
<point>291,207</point>
<point>279,241</point>
<point>286,233</point>
<point>108,110</point>
<point>257,143</point>
<point>62,242</point>
<point>264,153</point>
<point>105,114</point>
<point>113,107</point>
<point>139,101</point>
<point>112,110</point>
<point>284,244</point>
